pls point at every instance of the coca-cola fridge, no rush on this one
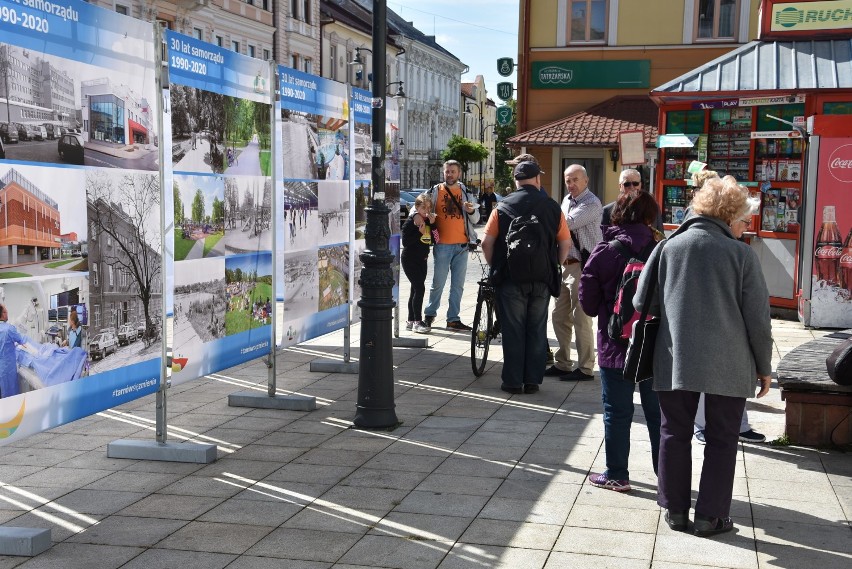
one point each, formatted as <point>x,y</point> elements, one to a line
<point>825,294</point>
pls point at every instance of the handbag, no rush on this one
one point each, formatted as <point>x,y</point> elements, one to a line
<point>639,361</point>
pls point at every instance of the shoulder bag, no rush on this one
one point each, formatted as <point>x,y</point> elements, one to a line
<point>639,361</point>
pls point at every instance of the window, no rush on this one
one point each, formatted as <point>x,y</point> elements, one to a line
<point>235,46</point>
<point>294,9</point>
<point>333,63</point>
<point>587,20</point>
<point>251,51</point>
<point>96,316</point>
<point>308,66</point>
<point>220,41</point>
<point>124,10</point>
<point>306,11</point>
<point>266,55</point>
<point>198,33</point>
<point>716,19</point>
<point>294,61</point>
<point>94,274</point>
<point>109,275</point>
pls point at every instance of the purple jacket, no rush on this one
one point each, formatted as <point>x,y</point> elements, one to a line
<point>599,283</point>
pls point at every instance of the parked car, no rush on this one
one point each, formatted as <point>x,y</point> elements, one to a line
<point>140,328</point>
<point>9,134</point>
<point>38,132</point>
<point>51,133</point>
<point>23,131</point>
<point>71,148</point>
<point>405,207</point>
<point>126,334</point>
<point>103,344</point>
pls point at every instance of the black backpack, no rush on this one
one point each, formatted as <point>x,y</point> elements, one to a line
<point>623,315</point>
<point>529,245</point>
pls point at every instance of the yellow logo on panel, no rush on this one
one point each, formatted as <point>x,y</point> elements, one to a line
<point>8,428</point>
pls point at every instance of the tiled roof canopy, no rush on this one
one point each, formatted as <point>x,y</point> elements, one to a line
<point>770,66</point>
<point>598,125</point>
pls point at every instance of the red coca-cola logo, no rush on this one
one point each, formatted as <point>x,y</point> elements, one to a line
<point>840,163</point>
<point>828,251</point>
<point>846,260</point>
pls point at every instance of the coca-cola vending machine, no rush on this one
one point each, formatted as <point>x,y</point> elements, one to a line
<point>825,294</point>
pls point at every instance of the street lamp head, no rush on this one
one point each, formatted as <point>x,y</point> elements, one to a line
<point>357,60</point>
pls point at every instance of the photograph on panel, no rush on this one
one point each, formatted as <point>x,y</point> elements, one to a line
<point>363,189</point>
<point>363,151</point>
<point>248,292</point>
<point>393,204</point>
<point>300,145</point>
<point>47,322</point>
<point>78,113</point>
<point>393,152</point>
<point>215,133</point>
<point>301,284</point>
<point>301,221</point>
<point>359,247</point>
<point>333,267</point>
<point>125,265</point>
<point>199,309</point>
<point>248,214</point>
<point>199,216</point>
<point>333,210</point>
<point>43,231</point>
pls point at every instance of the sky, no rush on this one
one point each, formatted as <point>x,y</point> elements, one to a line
<point>477,32</point>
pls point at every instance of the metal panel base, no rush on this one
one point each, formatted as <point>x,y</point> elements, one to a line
<point>334,366</point>
<point>198,453</point>
<point>26,542</point>
<point>263,401</point>
<point>402,342</point>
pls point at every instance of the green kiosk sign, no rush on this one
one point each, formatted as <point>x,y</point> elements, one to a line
<point>505,66</point>
<point>504,115</point>
<point>505,90</point>
<point>623,74</point>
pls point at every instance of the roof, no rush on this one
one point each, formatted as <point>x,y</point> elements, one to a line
<point>770,66</point>
<point>598,125</point>
<point>467,89</point>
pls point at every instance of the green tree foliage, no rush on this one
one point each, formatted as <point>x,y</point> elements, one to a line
<point>218,211</point>
<point>465,151</point>
<point>502,171</point>
<point>198,206</point>
<point>178,205</point>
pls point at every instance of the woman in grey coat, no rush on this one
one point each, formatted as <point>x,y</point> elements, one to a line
<point>715,337</point>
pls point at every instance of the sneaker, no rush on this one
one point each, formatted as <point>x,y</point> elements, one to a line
<point>458,326</point>
<point>422,328</point>
<point>577,375</point>
<point>699,436</point>
<point>554,371</point>
<point>512,390</point>
<point>409,325</point>
<point>751,436</point>
<point>550,359</point>
<point>428,320</point>
<point>531,388</point>
<point>603,481</point>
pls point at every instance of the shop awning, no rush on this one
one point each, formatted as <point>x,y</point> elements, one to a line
<point>766,66</point>
<point>598,125</point>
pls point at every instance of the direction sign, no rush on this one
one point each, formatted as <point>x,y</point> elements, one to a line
<point>505,90</point>
<point>504,115</point>
<point>505,66</point>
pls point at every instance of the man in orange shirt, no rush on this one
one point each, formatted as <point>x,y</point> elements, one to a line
<point>522,302</point>
<point>456,212</point>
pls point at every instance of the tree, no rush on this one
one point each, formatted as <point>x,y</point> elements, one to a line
<point>218,211</point>
<point>502,171</point>
<point>178,205</point>
<point>198,206</point>
<point>465,151</point>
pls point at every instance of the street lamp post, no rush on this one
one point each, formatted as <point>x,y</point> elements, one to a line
<point>481,135</point>
<point>375,404</point>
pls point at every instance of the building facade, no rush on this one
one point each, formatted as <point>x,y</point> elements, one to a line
<point>575,54</point>
<point>33,91</point>
<point>29,221</point>
<point>478,122</point>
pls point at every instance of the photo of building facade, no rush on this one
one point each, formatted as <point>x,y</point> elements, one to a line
<point>35,91</point>
<point>29,221</point>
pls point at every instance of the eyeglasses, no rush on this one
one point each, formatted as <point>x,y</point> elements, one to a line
<point>634,184</point>
<point>745,221</point>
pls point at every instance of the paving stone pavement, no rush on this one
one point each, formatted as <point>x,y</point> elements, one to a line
<point>472,478</point>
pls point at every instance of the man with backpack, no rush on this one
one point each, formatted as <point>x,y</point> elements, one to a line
<point>526,240</point>
<point>607,287</point>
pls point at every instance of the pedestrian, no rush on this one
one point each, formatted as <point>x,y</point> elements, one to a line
<point>629,179</point>
<point>416,242</point>
<point>522,305</point>
<point>582,210</point>
<point>456,213</point>
<point>716,302</point>
<point>488,200</point>
<point>634,214</point>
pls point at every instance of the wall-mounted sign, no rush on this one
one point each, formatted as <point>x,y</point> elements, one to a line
<point>720,104</point>
<point>631,146</point>
<point>505,66</point>
<point>622,74</point>
<point>505,90</point>
<point>776,134</point>
<point>779,100</point>
<point>504,115</point>
<point>784,18</point>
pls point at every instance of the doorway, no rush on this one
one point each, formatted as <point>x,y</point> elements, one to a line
<point>594,169</point>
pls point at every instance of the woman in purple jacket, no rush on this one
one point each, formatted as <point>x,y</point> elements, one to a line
<point>632,220</point>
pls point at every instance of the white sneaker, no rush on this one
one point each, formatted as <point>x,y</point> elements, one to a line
<point>409,325</point>
<point>422,328</point>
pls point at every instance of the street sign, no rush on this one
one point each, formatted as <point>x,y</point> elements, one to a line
<point>505,66</point>
<point>505,90</point>
<point>504,115</point>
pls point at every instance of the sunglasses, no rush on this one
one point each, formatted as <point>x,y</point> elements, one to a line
<point>634,184</point>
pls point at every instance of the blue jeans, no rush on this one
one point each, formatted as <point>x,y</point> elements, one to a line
<point>447,258</point>
<point>523,322</point>
<point>617,396</point>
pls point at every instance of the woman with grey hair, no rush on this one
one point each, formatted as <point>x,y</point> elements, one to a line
<point>712,301</point>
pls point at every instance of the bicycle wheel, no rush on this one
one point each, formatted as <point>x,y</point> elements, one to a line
<point>479,337</point>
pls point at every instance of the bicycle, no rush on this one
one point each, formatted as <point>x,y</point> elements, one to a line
<point>486,321</point>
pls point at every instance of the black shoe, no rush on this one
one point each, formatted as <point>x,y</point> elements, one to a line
<point>677,521</point>
<point>705,527</point>
<point>458,326</point>
<point>553,371</point>
<point>576,375</point>
<point>512,390</point>
<point>428,320</point>
<point>531,388</point>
